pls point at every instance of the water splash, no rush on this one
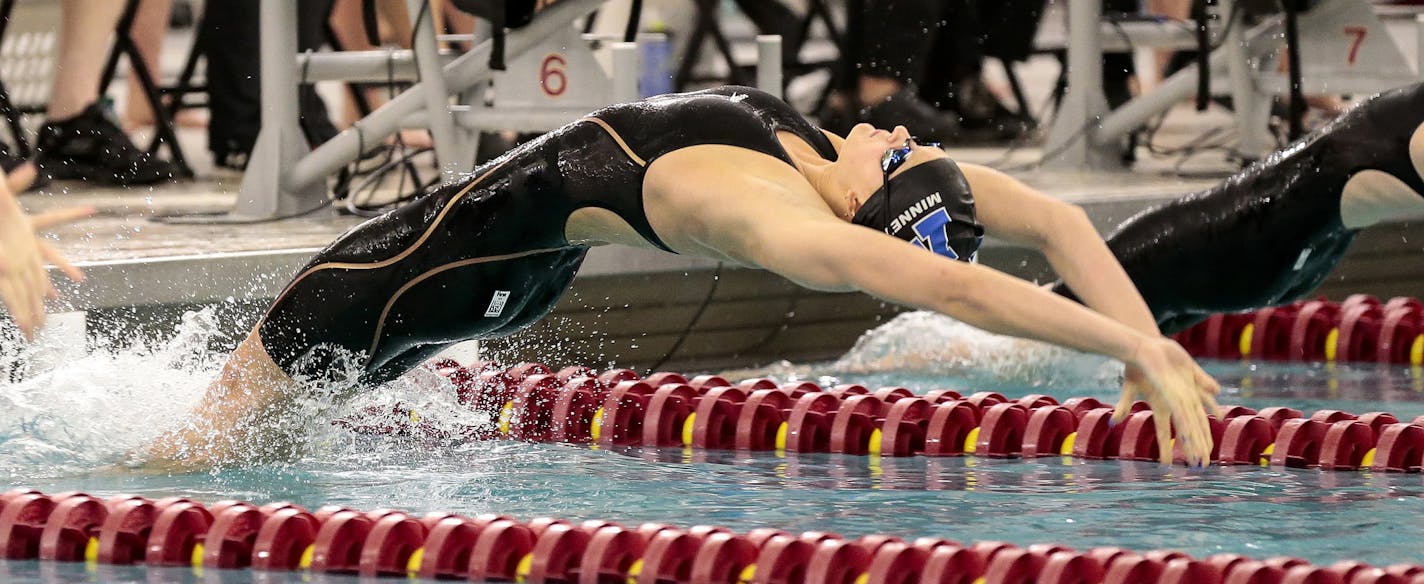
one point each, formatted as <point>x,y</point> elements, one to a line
<point>94,408</point>
<point>103,405</point>
<point>928,343</point>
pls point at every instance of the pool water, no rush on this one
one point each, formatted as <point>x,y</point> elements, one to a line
<point>65,429</point>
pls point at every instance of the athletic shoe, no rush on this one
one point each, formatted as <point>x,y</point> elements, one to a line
<point>982,118</point>
<point>904,108</point>
<point>90,147</point>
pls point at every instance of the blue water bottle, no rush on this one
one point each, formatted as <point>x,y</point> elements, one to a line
<point>655,53</point>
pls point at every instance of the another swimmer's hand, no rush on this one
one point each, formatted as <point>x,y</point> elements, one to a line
<point>24,283</point>
<point>1178,391</point>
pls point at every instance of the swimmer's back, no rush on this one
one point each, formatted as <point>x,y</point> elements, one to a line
<point>738,116</point>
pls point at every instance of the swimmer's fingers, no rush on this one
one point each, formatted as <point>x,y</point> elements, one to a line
<point>1162,422</point>
<point>53,256</point>
<point>20,178</point>
<point>59,216</point>
<point>20,301</point>
<point>1124,403</point>
<point>1206,382</point>
<point>39,288</point>
<point>1195,430</point>
<point>1213,408</point>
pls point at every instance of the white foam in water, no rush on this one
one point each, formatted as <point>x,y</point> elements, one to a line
<point>103,405</point>
<point>929,343</point>
<point>100,404</point>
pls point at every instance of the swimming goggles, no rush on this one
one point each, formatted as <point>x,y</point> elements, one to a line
<point>893,159</point>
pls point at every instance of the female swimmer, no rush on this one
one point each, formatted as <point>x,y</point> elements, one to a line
<point>732,174</point>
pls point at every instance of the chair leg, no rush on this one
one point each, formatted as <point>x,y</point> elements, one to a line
<point>12,115</point>
<point>725,48</point>
<point>184,84</point>
<point>1025,110</point>
<point>163,122</point>
<point>12,119</point>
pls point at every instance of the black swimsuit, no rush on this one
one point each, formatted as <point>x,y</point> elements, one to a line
<point>487,256</point>
<point>1270,234</point>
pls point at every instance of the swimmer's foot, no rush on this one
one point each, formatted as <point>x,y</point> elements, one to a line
<point>90,147</point>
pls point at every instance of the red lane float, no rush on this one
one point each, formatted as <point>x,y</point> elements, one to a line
<point>762,419</point>
<point>904,428</point>
<point>388,543</point>
<point>1360,329</point>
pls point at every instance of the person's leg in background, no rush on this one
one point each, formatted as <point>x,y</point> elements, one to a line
<point>312,17</point>
<point>1118,68</point>
<point>887,59</point>
<point>957,55</point>
<point>954,80</point>
<point>773,17</point>
<point>149,28</point>
<point>349,29</point>
<point>86,30</point>
<point>234,92</point>
<point>79,141</point>
<point>1178,10</point>
<point>234,81</point>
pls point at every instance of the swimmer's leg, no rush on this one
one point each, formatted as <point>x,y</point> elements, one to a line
<point>1261,238</point>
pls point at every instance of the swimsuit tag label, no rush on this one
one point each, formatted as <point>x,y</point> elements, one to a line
<point>496,306</point>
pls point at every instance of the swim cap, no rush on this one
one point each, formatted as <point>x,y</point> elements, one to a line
<point>930,206</point>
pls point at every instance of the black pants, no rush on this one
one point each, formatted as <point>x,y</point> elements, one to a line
<point>936,43</point>
<point>234,73</point>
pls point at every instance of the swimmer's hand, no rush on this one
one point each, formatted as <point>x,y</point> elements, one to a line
<point>1178,390</point>
<point>24,283</point>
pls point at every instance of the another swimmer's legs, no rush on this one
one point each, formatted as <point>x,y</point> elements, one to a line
<point>230,423</point>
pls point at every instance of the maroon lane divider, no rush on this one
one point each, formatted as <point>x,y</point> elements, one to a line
<point>1360,329</point>
<point>620,409</point>
<point>74,527</point>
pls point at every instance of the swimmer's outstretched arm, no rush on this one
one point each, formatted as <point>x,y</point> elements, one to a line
<point>1062,232</point>
<point>819,251</point>
<point>1016,212</point>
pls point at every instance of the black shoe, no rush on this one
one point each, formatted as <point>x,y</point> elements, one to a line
<point>90,147</point>
<point>996,129</point>
<point>231,154</point>
<point>837,117</point>
<point>982,117</point>
<point>904,108</point>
